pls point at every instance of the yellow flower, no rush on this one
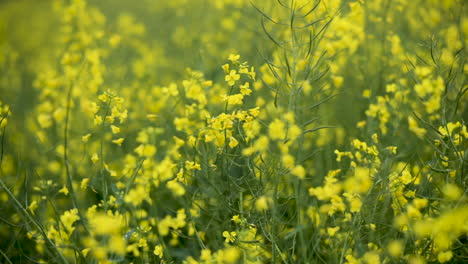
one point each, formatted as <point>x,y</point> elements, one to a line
<point>416,260</point>
<point>205,254</point>
<point>33,206</point>
<point>145,150</point>
<point>452,192</point>
<point>371,257</point>
<point>395,248</point>
<point>254,111</point>
<point>366,93</point>
<point>110,119</point>
<point>361,182</point>
<point>230,236</point>
<point>262,203</point>
<point>354,201</point>
<point>69,218</point>
<point>337,81</point>
<point>235,99</point>
<point>95,158</point>
<point>142,242</point>
<point>332,230</point>
<point>117,244</point>
<point>176,188</point>
<point>351,260</point>
<point>191,165</point>
<point>277,130</point>
<point>97,120</point>
<point>444,256</point>
<point>137,195</point>
<point>44,120</point>
<point>106,224</point>
<point>299,171</point>
<point>118,141</point>
<point>85,138</point>
<point>84,183</point>
<point>114,40</point>
<point>103,97</point>
<point>64,190</point>
<point>361,124</point>
<point>225,68</point>
<point>158,251</point>
<point>85,251</point>
<point>234,58</point>
<point>244,89</point>
<point>232,77</point>
<point>420,202</point>
<point>115,129</point>
<point>252,73</point>
<point>392,149</point>
<point>294,132</point>
<point>133,248</point>
<point>228,255</point>
<point>236,219</point>
<point>233,142</point>
<point>288,160</point>
<point>152,117</point>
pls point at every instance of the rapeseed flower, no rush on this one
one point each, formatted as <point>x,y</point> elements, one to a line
<point>230,237</point>
<point>232,77</point>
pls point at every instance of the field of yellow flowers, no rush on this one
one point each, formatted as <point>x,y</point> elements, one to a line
<point>234,131</point>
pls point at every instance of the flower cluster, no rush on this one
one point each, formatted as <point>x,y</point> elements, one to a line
<point>233,131</point>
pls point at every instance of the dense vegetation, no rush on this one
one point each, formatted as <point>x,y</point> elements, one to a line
<point>233,131</point>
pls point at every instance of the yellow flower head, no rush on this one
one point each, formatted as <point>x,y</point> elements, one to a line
<point>229,236</point>
<point>158,251</point>
<point>115,129</point>
<point>277,130</point>
<point>85,138</point>
<point>234,58</point>
<point>118,141</point>
<point>232,77</point>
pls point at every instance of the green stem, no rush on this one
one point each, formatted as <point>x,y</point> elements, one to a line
<point>38,226</point>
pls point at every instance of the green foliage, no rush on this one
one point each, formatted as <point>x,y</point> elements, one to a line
<point>233,131</point>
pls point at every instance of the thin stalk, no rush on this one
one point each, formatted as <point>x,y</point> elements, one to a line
<point>65,152</point>
<point>38,226</point>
